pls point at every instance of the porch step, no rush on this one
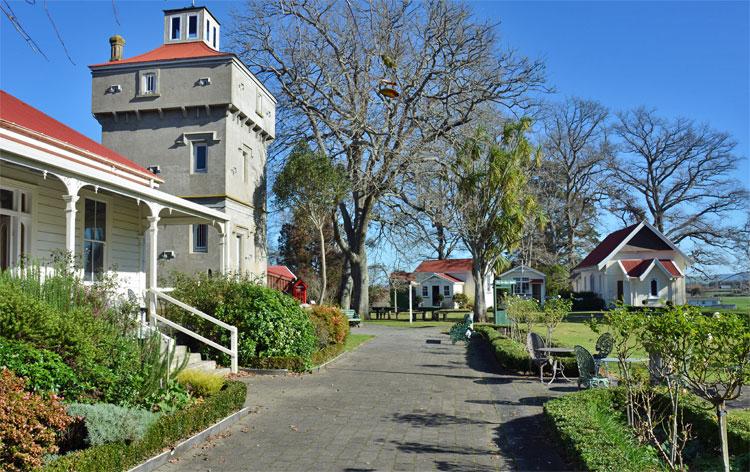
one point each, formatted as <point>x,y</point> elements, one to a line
<point>195,361</point>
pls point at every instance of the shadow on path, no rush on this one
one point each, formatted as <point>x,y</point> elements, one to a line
<point>527,440</point>
<point>434,419</point>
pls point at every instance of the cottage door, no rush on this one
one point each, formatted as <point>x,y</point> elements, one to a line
<point>435,295</point>
<point>536,292</point>
<point>620,290</point>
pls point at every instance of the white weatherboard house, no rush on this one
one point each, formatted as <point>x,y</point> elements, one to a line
<point>637,265</point>
<point>447,277</point>
<point>63,192</point>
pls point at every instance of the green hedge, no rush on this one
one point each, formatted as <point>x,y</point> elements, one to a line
<point>293,363</point>
<point>327,353</point>
<point>164,433</point>
<point>596,436</point>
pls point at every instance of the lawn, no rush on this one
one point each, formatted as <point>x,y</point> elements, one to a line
<point>353,341</point>
<point>743,303</point>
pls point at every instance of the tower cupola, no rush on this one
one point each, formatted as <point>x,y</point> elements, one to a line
<point>191,24</point>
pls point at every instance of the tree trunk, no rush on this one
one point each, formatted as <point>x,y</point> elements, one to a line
<point>323,267</point>
<point>345,288</point>
<point>721,416</point>
<point>480,310</point>
<point>361,289</point>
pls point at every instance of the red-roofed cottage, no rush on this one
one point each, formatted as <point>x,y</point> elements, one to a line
<point>439,280</point>
<point>637,265</point>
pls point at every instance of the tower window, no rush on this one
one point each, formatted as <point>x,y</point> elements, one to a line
<point>208,30</point>
<point>149,83</point>
<point>200,238</point>
<point>200,157</point>
<point>175,27</point>
<point>193,26</point>
<point>214,38</point>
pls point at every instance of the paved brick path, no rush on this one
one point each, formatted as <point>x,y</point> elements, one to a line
<point>396,403</point>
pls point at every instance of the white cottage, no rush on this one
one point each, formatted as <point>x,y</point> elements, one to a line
<point>438,279</point>
<point>637,265</point>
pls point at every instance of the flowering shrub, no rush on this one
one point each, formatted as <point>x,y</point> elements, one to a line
<point>29,424</point>
<point>331,325</point>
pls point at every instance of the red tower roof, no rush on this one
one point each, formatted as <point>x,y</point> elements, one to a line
<point>171,52</point>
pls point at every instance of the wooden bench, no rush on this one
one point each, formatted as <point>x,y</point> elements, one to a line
<point>353,318</point>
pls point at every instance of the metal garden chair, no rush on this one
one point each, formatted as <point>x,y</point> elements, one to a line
<point>587,375</point>
<point>603,348</point>
<point>534,342</point>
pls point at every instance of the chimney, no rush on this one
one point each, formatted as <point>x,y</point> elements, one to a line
<point>116,43</point>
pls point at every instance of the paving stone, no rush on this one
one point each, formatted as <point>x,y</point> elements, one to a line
<point>396,403</point>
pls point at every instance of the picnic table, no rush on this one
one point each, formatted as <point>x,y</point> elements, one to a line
<point>556,365</point>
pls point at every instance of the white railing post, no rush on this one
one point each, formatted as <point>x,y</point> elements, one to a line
<point>234,368</point>
<point>153,233</point>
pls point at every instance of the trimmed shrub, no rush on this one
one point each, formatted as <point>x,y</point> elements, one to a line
<point>508,353</point>
<point>327,353</point>
<point>163,433</point>
<point>201,383</point>
<point>43,371</point>
<point>596,436</point>
<point>330,323</point>
<point>586,301</point>
<point>293,363</point>
<point>29,424</point>
<point>269,323</point>
<point>107,423</point>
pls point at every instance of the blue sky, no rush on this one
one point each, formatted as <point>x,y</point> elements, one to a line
<point>683,58</point>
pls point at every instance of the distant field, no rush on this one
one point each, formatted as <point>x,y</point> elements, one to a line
<point>743,303</point>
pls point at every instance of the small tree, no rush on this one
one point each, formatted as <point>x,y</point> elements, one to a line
<point>718,363</point>
<point>521,311</point>
<point>492,204</point>
<point>554,311</point>
<point>311,185</point>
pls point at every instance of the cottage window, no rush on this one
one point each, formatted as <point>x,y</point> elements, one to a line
<point>446,290</point>
<point>654,288</point>
<point>15,220</point>
<point>94,239</point>
<point>193,26</point>
<point>200,157</point>
<point>425,291</point>
<point>521,287</point>
<point>175,28</point>
<point>200,238</point>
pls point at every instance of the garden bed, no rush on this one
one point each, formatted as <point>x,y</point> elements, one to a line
<point>163,434</point>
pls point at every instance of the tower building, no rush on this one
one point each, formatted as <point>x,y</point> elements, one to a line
<point>203,121</point>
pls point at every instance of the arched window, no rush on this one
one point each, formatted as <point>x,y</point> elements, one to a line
<point>654,288</point>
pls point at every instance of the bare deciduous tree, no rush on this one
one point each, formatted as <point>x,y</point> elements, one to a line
<point>681,174</point>
<point>576,149</point>
<point>371,82</point>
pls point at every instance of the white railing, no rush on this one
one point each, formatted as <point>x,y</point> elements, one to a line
<point>231,350</point>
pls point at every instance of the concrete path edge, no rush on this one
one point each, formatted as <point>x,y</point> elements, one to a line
<point>161,459</point>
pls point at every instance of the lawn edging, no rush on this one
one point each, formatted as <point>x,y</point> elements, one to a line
<point>166,433</point>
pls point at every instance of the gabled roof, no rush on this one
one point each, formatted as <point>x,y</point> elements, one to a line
<point>16,112</point>
<point>444,265</point>
<point>448,277</point>
<point>281,271</point>
<point>171,52</point>
<point>641,267</point>
<point>615,241</point>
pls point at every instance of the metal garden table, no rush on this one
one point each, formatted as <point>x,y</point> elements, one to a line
<point>556,365</point>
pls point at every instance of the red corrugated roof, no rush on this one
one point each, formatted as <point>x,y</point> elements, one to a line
<point>171,52</point>
<point>637,267</point>
<point>606,247</point>
<point>24,115</point>
<point>445,265</point>
<point>448,277</point>
<point>282,272</point>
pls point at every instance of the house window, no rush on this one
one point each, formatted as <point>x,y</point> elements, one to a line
<point>175,27</point>
<point>200,238</point>
<point>654,288</point>
<point>148,83</point>
<point>193,26</point>
<point>446,290</point>
<point>425,291</point>
<point>200,157</point>
<point>94,239</point>
<point>521,287</point>
<point>214,39</point>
